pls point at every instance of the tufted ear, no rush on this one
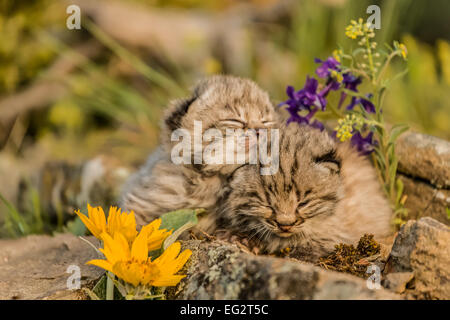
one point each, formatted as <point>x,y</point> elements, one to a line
<point>176,112</point>
<point>178,108</point>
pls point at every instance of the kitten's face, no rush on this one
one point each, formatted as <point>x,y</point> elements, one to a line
<point>278,209</point>
<point>226,107</point>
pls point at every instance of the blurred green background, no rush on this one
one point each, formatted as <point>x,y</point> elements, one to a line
<point>70,95</point>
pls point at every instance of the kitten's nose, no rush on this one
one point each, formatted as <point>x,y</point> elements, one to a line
<point>285,227</point>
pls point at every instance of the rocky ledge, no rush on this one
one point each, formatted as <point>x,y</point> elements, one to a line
<point>36,267</point>
<point>424,168</point>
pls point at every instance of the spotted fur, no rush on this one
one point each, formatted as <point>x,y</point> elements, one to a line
<point>324,193</point>
<point>161,186</point>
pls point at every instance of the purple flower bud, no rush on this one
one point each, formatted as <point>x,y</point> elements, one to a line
<point>367,105</point>
<point>364,145</point>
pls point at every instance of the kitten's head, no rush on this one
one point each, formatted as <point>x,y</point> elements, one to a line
<point>281,209</point>
<point>219,103</point>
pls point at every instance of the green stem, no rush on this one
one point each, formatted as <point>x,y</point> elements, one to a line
<point>386,64</point>
<point>335,111</point>
<point>370,57</point>
<point>110,286</point>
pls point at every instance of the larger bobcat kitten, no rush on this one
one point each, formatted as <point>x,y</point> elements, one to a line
<point>324,193</point>
<point>219,102</point>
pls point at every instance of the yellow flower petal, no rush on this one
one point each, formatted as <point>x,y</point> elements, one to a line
<point>101,264</point>
<point>181,260</point>
<point>127,271</point>
<point>169,254</point>
<point>139,250</point>
<point>167,281</point>
<point>89,224</point>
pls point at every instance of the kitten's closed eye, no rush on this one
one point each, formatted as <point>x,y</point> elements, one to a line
<point>329,161</point>
<point>268,123</point>
<point>232,123</point>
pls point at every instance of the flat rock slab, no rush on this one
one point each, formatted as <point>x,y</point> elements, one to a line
<point>35,267</point>
<point>423,248</point>
<point>218,270</point>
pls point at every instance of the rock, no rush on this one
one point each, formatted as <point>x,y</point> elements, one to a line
<point>425,157</point>
<point>218,270</point>
<point>398,281</point>
<point>424,199</point>
<point>35,267</point>
<point>423,248</point>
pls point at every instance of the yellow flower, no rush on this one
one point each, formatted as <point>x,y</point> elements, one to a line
<point>118,221</point>
<point>337,55</point>
<point>169,264</point>
<point>344,130</point>
<point>338,76</point>
<point>156,236</point>
<point>134,267</point>
<point>403,50</point>
<point>360,28</point>
<point>95,222</point>
<point>122,222</point>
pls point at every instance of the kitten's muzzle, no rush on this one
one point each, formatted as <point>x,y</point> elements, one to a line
<point>285,228</point>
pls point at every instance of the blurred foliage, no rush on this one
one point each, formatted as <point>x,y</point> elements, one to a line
<point>22,55</point>
<point>114,102</point>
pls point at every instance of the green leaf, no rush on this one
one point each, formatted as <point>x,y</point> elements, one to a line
<point>76,227</point>
<point>448,212</point>
<point>380,158</point>
<point>353,93</point>
<point>100,288</point>
<point>15,216</point>
<point>392,174</point>
<point>396,131</point>
<point>178,221</point>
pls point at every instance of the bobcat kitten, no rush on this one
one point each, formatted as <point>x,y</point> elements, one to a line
<point>323,194</point>
<point>220,103</point>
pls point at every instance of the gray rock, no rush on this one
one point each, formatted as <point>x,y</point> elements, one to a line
<point>218,270</point>
<point>423,248</point>
<point>425,157</point>
<point>398,281</point>
<point>424,199</point>
<point>35,267</point>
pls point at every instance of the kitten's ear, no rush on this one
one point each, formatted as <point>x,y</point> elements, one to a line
<point>178,108</point>
<point>176,111</point>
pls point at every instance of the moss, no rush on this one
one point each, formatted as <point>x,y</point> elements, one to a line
<point>347,258</point>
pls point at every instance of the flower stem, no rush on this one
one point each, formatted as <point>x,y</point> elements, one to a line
<point>386,64</point>
<point>370,57</point>
<point>110,286</point>
<point>335,111</point>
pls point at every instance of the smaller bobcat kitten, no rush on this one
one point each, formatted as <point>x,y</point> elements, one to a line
<point>323,194</point>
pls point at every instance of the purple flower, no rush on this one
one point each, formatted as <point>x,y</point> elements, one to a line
<point>324,70</point>
<point>318,125</point>
<point>306,119</point>
<point>331,85</point>
<point>307,97</point>
<point>295,117</point>
<point>367,105</point>
<point>351,82</point>
<point>364,145</point>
